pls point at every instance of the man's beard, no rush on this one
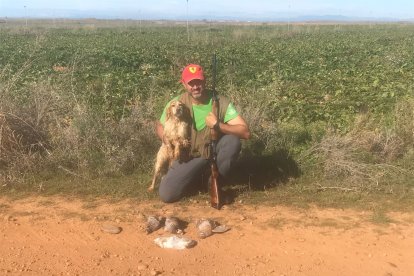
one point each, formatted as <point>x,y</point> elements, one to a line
<point>197,95</point>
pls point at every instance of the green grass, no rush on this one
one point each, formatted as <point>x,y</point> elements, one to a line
<point>133,186</point>
<point>289,194</point>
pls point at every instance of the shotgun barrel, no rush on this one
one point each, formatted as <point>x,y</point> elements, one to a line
<point>214,136</point>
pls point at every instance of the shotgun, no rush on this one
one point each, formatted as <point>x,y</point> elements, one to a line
<point>214,136</point>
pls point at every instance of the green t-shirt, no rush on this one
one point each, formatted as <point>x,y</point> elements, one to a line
<point>201,111</point>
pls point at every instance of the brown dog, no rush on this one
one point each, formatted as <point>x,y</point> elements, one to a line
<point>176,140</point>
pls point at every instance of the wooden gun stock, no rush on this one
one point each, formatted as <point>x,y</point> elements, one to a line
<point>214,187</point>
<point>214,136</point>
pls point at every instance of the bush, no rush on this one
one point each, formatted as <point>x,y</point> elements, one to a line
<point>364,159</point>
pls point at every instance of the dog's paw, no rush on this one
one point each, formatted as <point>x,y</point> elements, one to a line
<point>186,143</point>
<point>184,157</point>
<point>150,189</point>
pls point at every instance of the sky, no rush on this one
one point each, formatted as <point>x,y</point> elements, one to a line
<point>208,9</point>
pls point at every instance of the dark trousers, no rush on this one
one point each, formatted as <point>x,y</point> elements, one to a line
<point>181,177</point>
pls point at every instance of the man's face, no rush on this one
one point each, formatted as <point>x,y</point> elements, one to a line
<point>195,88</point>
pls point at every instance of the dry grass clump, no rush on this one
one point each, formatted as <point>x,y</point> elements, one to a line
<point>25,118</point>
<point>383,142</point>
<point>18,135</point>
<point>361,160</point>
<point>47,128</point>
<point>18,145</point>
<point>10,138</point>
<point>90,143</point>
<point>404,124</point>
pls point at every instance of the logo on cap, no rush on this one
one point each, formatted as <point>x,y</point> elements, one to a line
<point>191,72</point>
<point>192,69</point>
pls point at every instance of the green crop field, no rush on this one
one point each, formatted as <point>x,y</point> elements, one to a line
<point>330,106</point>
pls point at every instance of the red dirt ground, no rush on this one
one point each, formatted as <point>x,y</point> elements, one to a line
<point>57,236</point>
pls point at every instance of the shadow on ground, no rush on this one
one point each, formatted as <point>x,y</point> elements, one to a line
<point>264,171</point>
<point>253,172</point>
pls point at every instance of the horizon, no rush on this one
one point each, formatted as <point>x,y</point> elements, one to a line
<point>242,10</point>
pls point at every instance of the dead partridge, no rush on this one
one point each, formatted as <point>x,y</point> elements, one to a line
<point>154,223</point>
<point>205,227</point>
<point>173,225</point>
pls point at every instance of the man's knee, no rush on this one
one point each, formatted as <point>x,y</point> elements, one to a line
<point>228,153</point>
<point>169,198</point>
<point>230,144</point>
<point>167,194</point>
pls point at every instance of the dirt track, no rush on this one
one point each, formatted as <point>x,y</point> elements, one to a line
<point>55,236</point>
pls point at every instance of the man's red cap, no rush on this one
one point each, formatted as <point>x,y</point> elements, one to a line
<point>192,72</point>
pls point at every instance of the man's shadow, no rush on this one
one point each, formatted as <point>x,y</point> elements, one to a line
<point>259,172</point>
<point>255,172</point>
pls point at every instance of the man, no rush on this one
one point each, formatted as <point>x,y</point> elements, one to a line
<point>232,127</point>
